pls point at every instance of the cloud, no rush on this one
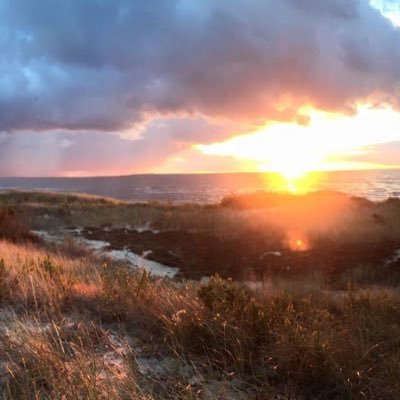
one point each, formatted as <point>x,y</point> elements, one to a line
<point>383,153</point>
<point>79,153</point>
<point>65,152</point>
<point>85,64</point>
<point>178,72</point>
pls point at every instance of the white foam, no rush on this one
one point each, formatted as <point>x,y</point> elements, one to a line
<point>46,236</point>
<point>125,255</point>
<point>271,253</point>
<point>96,245</point>
<point>77,231</point>
<point>395,257</point>
<point>145,228</point>
<point>153,267</point>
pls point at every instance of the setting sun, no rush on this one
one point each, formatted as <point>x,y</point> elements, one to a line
<point>327,142</point>
<point>292,161</point>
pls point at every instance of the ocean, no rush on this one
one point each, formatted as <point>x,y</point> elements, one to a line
<point>210,188</point>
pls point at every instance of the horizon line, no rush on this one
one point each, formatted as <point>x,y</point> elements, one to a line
<point>193,173</point>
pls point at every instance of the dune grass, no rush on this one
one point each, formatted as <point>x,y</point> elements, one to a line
<point>64,319</point>
<point>320,215</point>
<point>74,327</point>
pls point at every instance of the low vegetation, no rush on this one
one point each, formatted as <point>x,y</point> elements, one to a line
<point>73,326</point>
<point>267,214</point>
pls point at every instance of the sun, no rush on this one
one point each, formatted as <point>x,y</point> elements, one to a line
<point>328,142</point>
<point>292,158</point>
<point>284,149</point>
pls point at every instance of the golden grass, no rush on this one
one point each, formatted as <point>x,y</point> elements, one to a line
<point>63,321</point>
<point>64,314</point>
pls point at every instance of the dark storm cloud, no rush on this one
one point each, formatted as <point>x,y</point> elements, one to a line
<point>106,65</point>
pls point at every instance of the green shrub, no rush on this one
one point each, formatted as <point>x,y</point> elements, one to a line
<point>231,328</point>
<point>122,288</point>
<point>50,268</point>
<point>233,303</point>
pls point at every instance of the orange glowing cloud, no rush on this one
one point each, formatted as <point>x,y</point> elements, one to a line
<point>292,149</point>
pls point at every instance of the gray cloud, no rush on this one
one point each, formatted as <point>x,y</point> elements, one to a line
<point>103,65</point>
<point>31,153</point>
<point>83,152</point>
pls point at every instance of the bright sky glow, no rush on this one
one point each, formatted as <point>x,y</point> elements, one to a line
<point>389,8</point>
<point>327,142</point>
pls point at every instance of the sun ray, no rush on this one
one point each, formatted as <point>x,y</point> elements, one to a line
<point>328,142</point>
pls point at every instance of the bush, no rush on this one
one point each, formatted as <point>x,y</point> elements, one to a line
<point>230,327</point>
<point>12,228</point>
<point>233,302</point>
<point>124,291</point>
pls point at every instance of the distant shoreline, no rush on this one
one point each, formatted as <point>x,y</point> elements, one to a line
<point>395,168</point>
<point>211,188</point>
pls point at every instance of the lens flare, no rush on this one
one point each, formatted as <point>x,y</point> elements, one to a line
<point>297,240</point>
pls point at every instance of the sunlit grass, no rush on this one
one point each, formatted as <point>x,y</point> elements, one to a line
<point>72,326</point>
<point>60,316</point>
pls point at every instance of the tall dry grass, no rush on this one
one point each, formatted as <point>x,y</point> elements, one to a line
<point>72,327</point>
<point>60,317</point>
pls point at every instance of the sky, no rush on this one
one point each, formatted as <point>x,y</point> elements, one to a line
<point>101,87</point>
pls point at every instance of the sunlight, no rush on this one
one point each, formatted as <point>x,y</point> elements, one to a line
<point>328,142</point>
<point>291,159</point>
<point>296,183</point>
<point>389,9</point>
